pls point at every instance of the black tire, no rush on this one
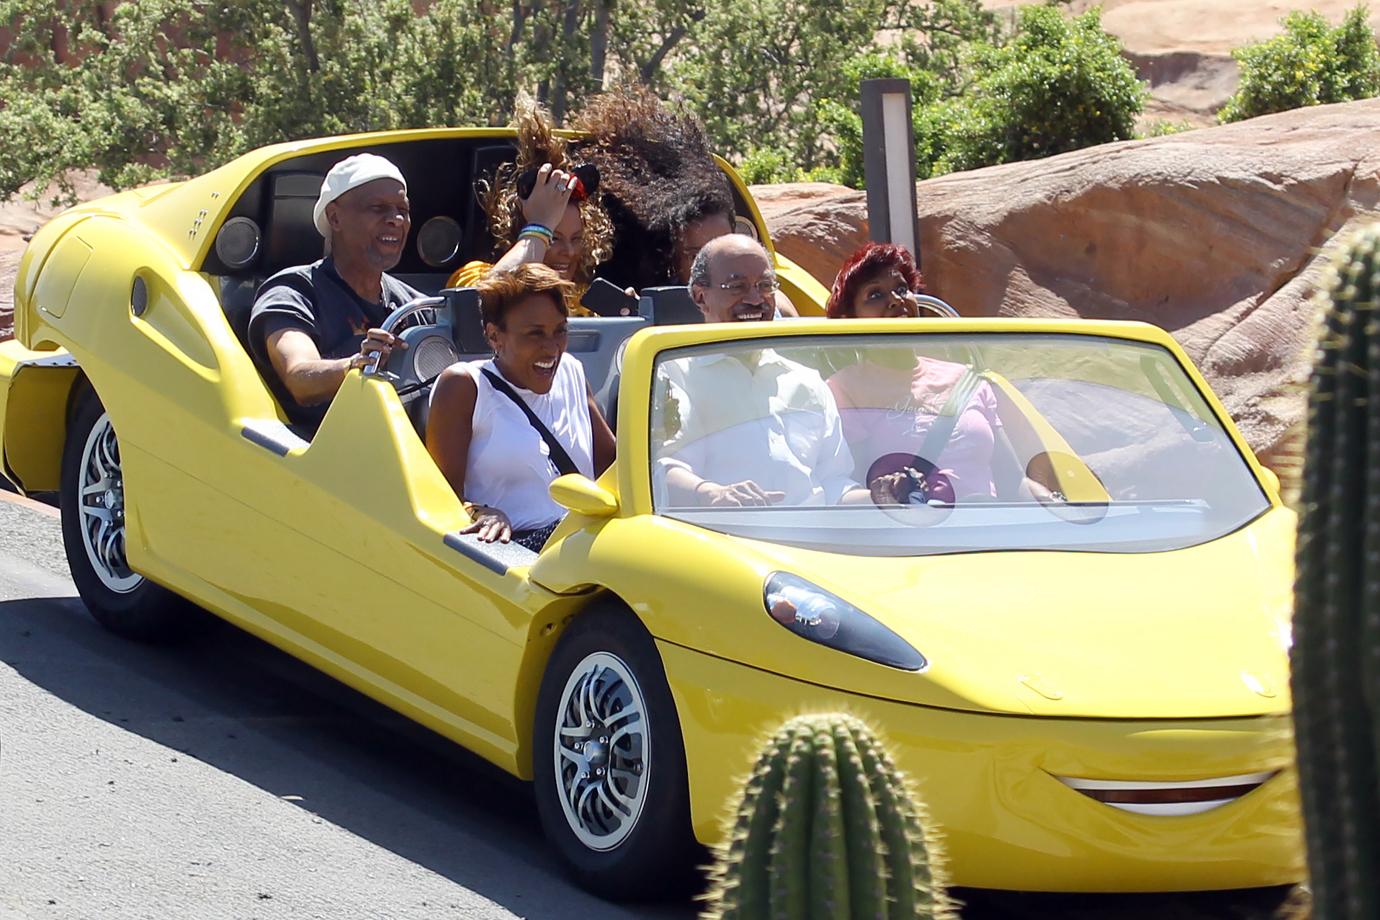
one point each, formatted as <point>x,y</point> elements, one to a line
<point>657,856</point>
<point>121,600</point>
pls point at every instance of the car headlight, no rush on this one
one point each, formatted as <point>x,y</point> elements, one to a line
<point>809,611</point>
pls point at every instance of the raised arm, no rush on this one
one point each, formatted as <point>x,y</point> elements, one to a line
<point>544,207</point>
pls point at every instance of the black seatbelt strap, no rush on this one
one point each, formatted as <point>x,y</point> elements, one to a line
<point>944,424</point>
<point>564,465</point>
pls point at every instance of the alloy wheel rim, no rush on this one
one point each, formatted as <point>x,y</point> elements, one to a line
<point>101,497</point>
<point>602,751</point>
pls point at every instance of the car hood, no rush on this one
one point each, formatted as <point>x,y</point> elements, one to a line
<point>1195,633</point>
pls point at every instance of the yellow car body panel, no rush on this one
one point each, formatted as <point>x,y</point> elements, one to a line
<point>33,395</point>
<point>1198,645</point>
<point>336,551</point>
<point>989,784</point>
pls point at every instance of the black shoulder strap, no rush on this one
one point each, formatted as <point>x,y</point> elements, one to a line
<point>559,457</point>
<point>943,427</point>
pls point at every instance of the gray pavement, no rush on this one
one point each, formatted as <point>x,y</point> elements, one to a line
<point>223,779</point>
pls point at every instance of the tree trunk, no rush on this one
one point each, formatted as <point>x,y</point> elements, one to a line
<point>650,67</point>
<point>301,14</point>
<point>599,43</point>
<point>519,23</point>
<point>560,93</point>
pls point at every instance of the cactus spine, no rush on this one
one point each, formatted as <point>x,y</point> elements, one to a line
<point>827,829</point>
<point>1336,654</point>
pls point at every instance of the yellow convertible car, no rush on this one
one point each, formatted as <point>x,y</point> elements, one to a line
<point>1035,555</point>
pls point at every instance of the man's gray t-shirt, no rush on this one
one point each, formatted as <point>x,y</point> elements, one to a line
<point>315,299</point>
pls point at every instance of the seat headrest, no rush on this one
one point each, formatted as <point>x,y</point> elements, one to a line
<point>291,238</point>
<point>669,306</point>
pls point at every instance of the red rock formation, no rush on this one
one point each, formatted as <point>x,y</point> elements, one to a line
<point>9,265</point>
<point>1218,235</point>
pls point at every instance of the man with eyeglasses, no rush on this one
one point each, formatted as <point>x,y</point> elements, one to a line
<point>749,410</point>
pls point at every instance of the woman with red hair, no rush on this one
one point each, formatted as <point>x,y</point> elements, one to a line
<point>935,418</point>
<point>876,281</point>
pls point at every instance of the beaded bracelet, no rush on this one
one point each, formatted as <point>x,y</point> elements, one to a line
<point>536,232</point>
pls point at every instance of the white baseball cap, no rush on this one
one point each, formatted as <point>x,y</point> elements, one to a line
<point>351,172</point>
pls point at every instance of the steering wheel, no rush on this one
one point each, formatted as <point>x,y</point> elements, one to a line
<point>933,304</point>
<point>910,488</point>
<point>907,479</point>
<point>409,314</point>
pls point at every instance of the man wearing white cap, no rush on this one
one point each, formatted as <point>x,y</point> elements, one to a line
<point>312,323</point>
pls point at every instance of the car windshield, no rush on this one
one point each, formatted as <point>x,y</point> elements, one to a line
<point>918,444</point>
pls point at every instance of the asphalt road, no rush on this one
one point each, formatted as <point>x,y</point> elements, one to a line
<point>225,779</point>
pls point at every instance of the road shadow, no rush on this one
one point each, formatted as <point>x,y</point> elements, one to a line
<point>243,707</point>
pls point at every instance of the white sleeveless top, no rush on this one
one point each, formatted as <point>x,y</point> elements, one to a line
<point>508,466</point>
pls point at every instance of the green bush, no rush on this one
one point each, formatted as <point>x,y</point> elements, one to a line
<point>1162,127</point>
<point>1310,63</point>
<point>1054,84</point>
<point>1060,84</point>
<point>843,121</point>
<point>765,165</point>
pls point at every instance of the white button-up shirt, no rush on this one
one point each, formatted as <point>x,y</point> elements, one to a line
<point>751,415</point>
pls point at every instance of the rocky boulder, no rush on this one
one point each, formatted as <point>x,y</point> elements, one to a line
<point>9,266</point>
<point>1219,235</point>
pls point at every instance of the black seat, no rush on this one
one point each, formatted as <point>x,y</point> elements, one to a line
<point>291,237</point>
<point>484,164</point>
<point>669,306</point>
<point>237,299</point>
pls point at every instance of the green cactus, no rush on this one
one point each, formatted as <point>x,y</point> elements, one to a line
<point>827,829</point>
<point>1336,652</point>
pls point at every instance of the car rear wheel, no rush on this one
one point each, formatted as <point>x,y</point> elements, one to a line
<point>93,534</point>
<point>609,763</point>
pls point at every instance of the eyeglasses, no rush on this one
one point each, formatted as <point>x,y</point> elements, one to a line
<point>766,287</point>
<point>900,291</point>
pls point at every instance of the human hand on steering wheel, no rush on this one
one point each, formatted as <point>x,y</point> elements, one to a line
<point>902,479</point>
<point>550,194</point>
<point>898,488</point>
<point>375,349</point>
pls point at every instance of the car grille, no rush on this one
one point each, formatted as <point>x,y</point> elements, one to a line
<point>1167,799</point>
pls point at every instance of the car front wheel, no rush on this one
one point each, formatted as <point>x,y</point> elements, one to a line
<point>610,765</point>
<point>93,534</point>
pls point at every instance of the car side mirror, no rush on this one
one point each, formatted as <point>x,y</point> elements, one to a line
<point>1270,478</point>
<point>583,496</point>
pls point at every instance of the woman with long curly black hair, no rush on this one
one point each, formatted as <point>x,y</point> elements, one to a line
<point>664,192</point>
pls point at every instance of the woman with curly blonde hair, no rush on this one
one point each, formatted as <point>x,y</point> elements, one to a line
<point>559,222</point>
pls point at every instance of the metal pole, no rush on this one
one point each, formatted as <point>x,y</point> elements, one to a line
<point>889,164</point>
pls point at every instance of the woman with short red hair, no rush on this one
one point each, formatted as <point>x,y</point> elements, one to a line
<point>876,281</point>
<point>936,417</point>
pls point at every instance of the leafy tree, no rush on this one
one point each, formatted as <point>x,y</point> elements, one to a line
<point>1060,84</point>
<point>763,73</point>
<point>981,97</point>
<point>127,107</point>
<point>1310,63</point>
<point>134,104</point>
<point>174,87</point>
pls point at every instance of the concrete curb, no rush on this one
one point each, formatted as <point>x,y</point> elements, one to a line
<point>14,498</point>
